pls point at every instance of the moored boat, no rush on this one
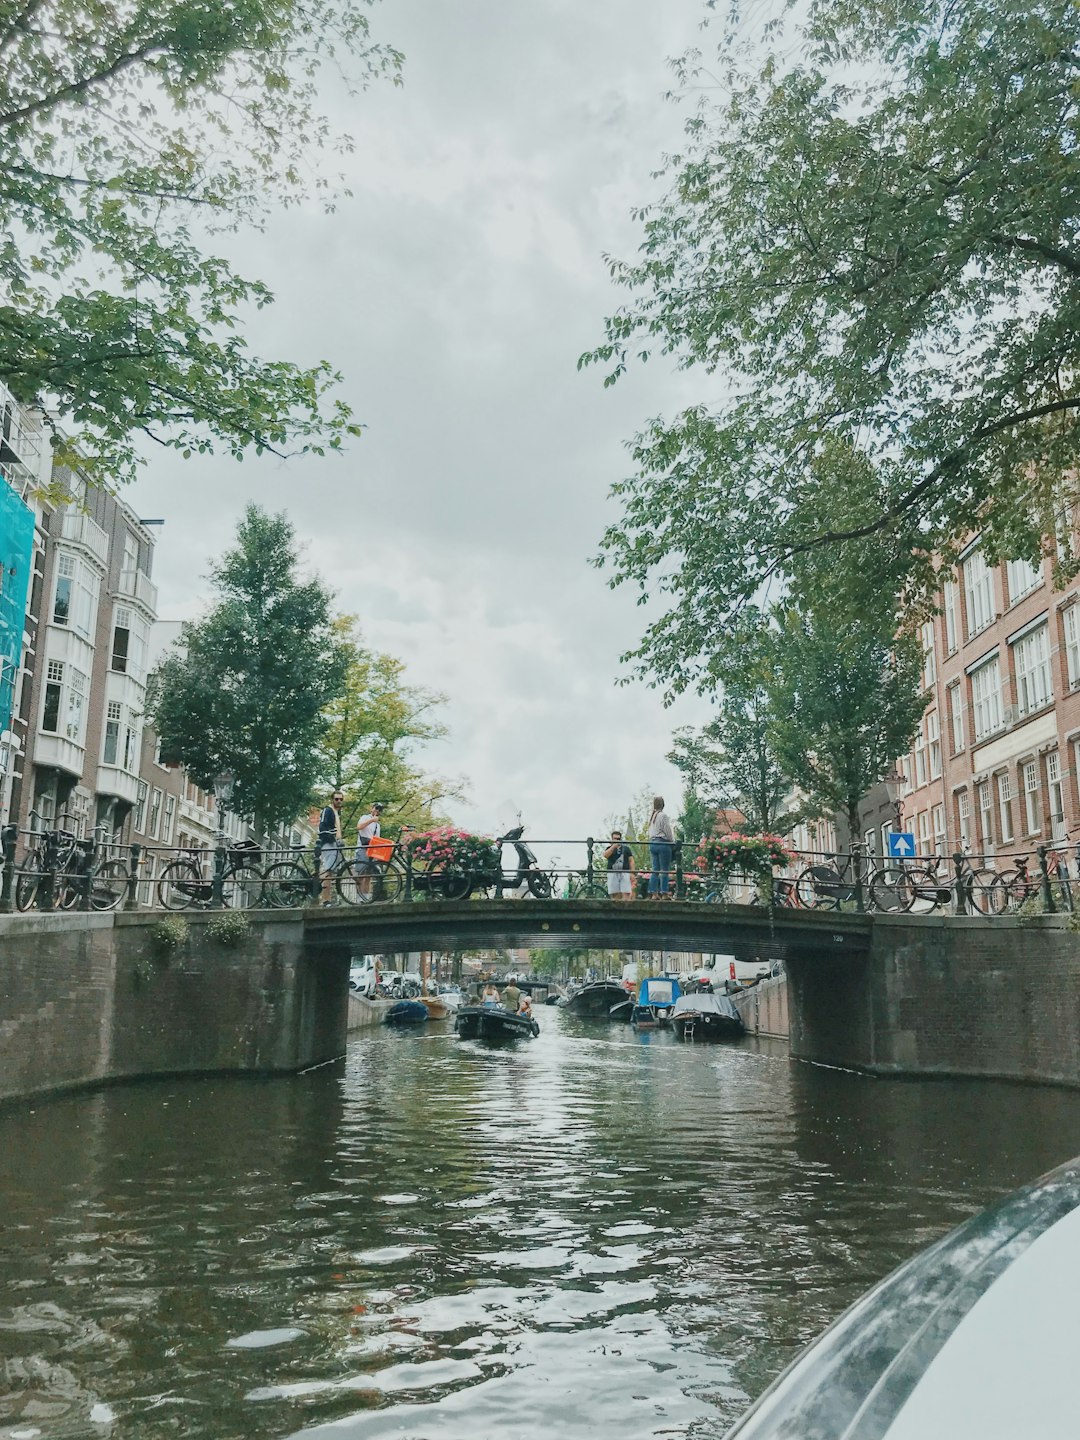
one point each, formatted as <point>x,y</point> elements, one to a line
<point>706,1017</point>
<point>596,1000</point>
<point>436,1006</point>
<point>657,996</point>
<point>492,1022</point>
<point>406,1012</point>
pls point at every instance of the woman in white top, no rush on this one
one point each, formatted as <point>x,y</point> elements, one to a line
<point>661,841</point>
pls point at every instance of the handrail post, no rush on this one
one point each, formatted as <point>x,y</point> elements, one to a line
<point>408,871</point>
<point>131,899</point>
<point>1049,903</point>
<point>47,888</point>
<point>8,839</point>
<point>87,862</point>
<point>589,843</point>
<point>217,885</point>
<point>679,886</point>
<point>960,891</point>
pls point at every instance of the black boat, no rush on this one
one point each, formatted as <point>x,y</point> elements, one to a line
<point>491,1022</point>
<point>707,1017</point>
<point>600,1000</point>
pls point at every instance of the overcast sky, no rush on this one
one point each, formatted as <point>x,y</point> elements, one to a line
<point>455,291</point>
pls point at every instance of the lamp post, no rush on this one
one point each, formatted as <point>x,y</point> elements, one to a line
<point>894,783</point>
<point>223,793</point>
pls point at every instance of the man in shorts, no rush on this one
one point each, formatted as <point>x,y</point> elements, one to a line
<point>331,856</point>
<point>620,868</point>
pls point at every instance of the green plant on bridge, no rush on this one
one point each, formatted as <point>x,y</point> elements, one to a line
<point>455,851</point>
<point>753,855</point>
<point>229,928</point>
<point>170,934</point>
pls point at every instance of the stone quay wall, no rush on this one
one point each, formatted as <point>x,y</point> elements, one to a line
<point>87,999</point>
<point>764,1008</point>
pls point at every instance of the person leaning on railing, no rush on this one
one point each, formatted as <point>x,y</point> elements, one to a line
<point>331,855</point>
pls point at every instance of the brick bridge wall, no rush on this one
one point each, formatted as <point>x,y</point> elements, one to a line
<point>85,999</point>
<point>947,997</point>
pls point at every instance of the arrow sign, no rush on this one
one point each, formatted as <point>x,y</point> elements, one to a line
<point>901,845</point>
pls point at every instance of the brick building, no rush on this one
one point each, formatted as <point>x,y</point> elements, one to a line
<point>994,768</point>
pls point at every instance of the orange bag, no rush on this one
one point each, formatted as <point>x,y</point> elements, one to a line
<point>380,849</point>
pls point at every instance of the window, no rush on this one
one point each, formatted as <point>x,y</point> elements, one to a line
<point>154,826</point>
<point>956,716</point>
<point>929,659</point>
<point>948,606</point>
<point>140,807</point>
<point>1005,815</point>
<point>963,819</point>
<point>75,599</point>
<point>1031,662</point>
<point>131,745</point>
<point>129,643</point>
<point>920,758</point>
<point>1023,578</point>
<point>65,583</point>
<point>1071,621</point>
<point>1032,803</point>
<point>1057,799</point>
<point>869,840</point>
<point>130,563</point>
<point>76,700</point>
<point>924,832</point>
<point>112,733</point>
<point>170,815</point>
<point>54,681</point>
<point>979,585</point>
<point>986,698</point>
<point>937,815</point>
<point>121,640</point>
<point>984,799</point>
<point>933,739</point>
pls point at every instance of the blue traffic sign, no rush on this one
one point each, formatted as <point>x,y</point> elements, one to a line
<point>901,844</point>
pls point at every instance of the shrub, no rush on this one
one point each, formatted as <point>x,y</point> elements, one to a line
<point>170,934</point>
<point>450,849</point>
<point>228,928</point>
<point>756,855</point>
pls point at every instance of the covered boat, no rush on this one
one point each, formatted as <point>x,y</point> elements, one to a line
<point>597,1000</point>
<point>492,1022</point>
<point>973,1339</point>
<point>656,997</point>
<point>406,1012</point>
<point>707,1017</point>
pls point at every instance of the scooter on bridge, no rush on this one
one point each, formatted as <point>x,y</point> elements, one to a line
<point>528,878</point>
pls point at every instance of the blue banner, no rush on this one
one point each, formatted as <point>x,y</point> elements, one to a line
<point>16,560</point>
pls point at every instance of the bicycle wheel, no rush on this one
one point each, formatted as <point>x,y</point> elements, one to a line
<point>1006,892</point>
<point>898,891</point>
<point>181,884</point>
<point>357,881</point>
<point>286,885</point>
<point>27,885</point>
<point>540,884</point>
<point>108,885</point>
<point>987,897</point>
<point>445,882</point>
<point>819,887</point>
<point>242,886</point>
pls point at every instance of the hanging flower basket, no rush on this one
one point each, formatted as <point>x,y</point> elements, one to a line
<point>454,851</point>
<point>752,855</point>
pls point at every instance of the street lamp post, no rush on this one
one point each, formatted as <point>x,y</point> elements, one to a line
<point>894,783</point>
<point>223,792</point>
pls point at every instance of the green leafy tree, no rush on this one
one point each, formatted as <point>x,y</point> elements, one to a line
<point>843,705</point>
<point>876,250</point>
<point>372,728</point>
<point>129,134</point>
<point>245,688</point>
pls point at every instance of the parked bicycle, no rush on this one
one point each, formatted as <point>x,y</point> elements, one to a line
<point>78,881</point>
<point>188,882</point>
<point>836,881</point>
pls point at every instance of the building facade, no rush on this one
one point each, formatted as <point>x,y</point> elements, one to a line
<point>994,768</point>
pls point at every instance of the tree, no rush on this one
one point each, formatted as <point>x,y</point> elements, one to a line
<point>124,129</point>
<point>843,705</point>
<point>245,688</point>
<point>877,251</point>
<point>371,729</point>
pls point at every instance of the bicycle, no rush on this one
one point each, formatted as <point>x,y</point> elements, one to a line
<point>837,881</point>
<point>185,883</point>
<point>376,872</point>
<point>77,880</point>
<point>292,883</point>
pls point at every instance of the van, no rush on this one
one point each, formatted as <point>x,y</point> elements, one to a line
<point>727,969</point>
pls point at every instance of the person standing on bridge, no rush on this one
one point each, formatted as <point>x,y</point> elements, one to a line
<point>620,868</point>
<point>661,842</point>
<point>330,852</point>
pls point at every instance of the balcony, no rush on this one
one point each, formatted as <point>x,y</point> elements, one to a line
<point>20,432</point>
<point>56,752</point>
<point>111,780</point>
<point>80,531</point>
<point>134,585</point>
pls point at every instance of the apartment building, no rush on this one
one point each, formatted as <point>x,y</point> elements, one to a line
<point>994,767</point>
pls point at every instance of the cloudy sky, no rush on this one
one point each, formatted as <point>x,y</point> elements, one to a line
<point>455,291</point>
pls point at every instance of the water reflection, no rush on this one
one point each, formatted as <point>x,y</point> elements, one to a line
<point>595,1233</point>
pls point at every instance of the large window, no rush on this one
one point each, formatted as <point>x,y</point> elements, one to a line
<point>933,744</point>
<point>1023,578</point>
<point>929,659</point>
<point>948,608</point>
<point>1032,799</point>
<point>1071,622</point>
<point>979,587</point>
<point>938,817</point>
<point>112,733</point>
<point>1055,796</point>
<point>924,832</point>
<point>170,816</point>
<point>129,643</point>
<point>986,698</point>
<point>140,807</point>
<point>154,823</point>
<point>920,758</point>
<point>121,737</point>
<point>1005,814</point>
<point>1031,663</point>
<point>963,819</point>
<point>65,699</point>
<point>985,801</point>
<point>956,717</point>
<point>76,594</point>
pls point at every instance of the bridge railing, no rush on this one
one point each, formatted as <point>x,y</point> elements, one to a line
<point>59,869</point>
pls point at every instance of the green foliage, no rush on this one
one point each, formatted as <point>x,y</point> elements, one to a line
<point>372,727</point>
<point>245,688</point>
<point>876,248</point>
<point>844,703</point>
<point>123,127</point>
<point>171,934</point>
<point>228,928</point>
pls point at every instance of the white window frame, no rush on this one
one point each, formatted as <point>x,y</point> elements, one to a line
<point>956,716</point>
<point>1032,798</point>
<point>949,610</point>
<point>154,820</point>
<point>1023,578</point>
<point>1005,815</point>
<point>937,816</point>
<point>929,655</point>
<point>963,819</point>
<point>987,714</point>
<point>933,744</point>
<point>979,593</point>
<point>1056,794</point>
<point>1031,667</point>
<point>920,758</point>
<point>984,802</point>
<point>1070,620</point>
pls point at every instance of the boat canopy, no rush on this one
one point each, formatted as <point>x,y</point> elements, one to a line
<point>706,1005</point>
<point>655,991</point>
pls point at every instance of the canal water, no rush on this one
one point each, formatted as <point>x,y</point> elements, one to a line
<point>593,1234</point>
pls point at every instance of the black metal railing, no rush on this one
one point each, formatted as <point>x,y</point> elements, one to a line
<point>56,869</point>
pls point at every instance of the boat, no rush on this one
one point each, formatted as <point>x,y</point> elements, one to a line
<point>657,995</point>
<point>406,1012</point>
<point>707,1017</point>
<point>974,1336</point>
<point>492,1022</point>
<point>438,1007</point>
<point>451,996</point>
<point>596,1000</point>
